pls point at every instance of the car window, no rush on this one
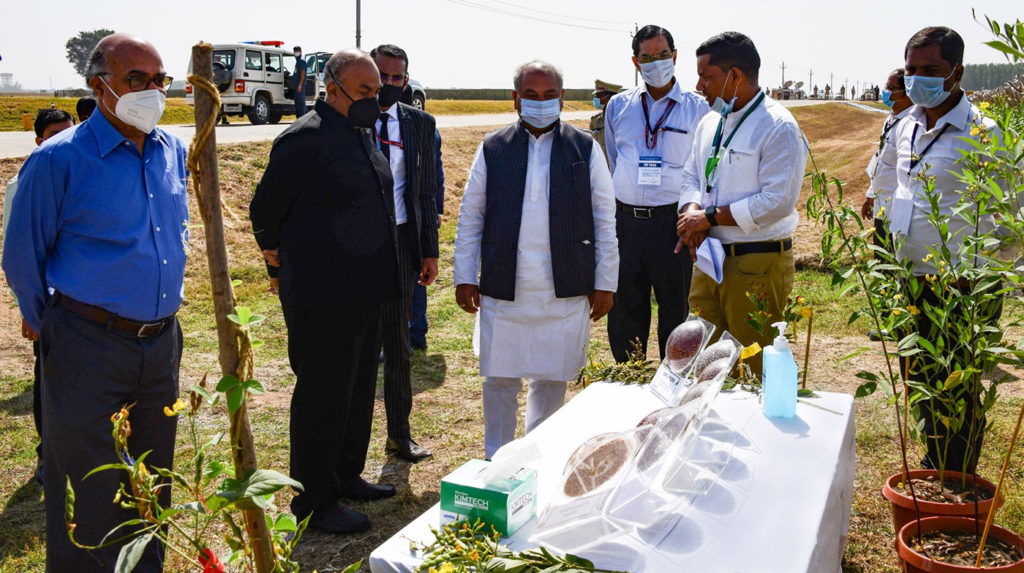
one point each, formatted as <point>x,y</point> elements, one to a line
<point>322,62</point>
<point>253,60</point>
<point>274,62</point>
<point>225,58</point>
<point>311,64</point>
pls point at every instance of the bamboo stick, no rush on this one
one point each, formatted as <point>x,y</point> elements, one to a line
<point>203,155</point>
<point>999,488</point>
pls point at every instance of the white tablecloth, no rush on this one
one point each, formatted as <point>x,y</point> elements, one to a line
<point>782,504</point>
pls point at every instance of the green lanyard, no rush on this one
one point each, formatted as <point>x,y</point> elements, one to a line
<point>712,163</point>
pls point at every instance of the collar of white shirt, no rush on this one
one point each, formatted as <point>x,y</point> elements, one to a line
<point>674,93</point>
<point>958,117</point>
<point>393,111</point>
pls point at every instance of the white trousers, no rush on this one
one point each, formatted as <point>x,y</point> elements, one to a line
<point>501,403</point>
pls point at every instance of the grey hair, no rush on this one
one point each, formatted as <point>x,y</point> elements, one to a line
<point>340,60</point>
<point>97,64</point>
<point>536,65</point>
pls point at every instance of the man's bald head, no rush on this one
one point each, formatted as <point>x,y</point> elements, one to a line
<point>118,47</point>
<point>350,75</point>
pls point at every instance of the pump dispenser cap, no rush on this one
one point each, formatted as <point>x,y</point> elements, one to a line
<point>781,343</point>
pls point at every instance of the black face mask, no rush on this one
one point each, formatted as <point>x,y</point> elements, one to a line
<point>362,112</point>
<point>389,95</point>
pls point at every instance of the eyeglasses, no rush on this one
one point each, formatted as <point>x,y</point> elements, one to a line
<point>397,79</point>
<point>646,59</point>
<point>139,82</point>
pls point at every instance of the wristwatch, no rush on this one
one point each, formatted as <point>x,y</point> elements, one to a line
<point>710,212</point>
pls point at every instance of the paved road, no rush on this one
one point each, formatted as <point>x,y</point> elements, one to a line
<point>21,143</point>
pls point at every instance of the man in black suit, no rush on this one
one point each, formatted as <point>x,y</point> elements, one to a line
<point>324,213</point>
<point>405,135</point>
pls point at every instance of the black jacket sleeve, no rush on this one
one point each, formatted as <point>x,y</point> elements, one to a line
<point>282,182</point>
<point>428,191</point>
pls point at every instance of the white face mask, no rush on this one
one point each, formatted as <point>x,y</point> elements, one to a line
<point>540,114</point>
<point>658,73</point>
<point>141,110</point>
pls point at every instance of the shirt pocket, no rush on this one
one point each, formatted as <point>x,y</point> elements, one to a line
<point>676,146</point>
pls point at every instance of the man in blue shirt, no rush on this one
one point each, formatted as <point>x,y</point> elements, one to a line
<point>95,253</point>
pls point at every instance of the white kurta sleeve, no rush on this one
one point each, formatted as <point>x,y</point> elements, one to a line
<point>602,198</point>
<point>470,228</point>
<point>610,111</point>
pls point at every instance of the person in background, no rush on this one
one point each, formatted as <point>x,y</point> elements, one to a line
<point>299,83</point>
<point>535,254</point>
<point>98,205</point>
<point>419,325</point>
<point>882,167</point>
<point>330,227</point>
<point>408,139</point>
<point>84,107</point>
<point>603,91</point>
<point>649,135</point>
<point>931,141</point>
<point>49,122</point>
<point>741,186</point>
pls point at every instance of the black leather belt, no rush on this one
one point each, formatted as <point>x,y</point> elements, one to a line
<point>106,318</point>
<point>647,212</point>
<point>737,249</point>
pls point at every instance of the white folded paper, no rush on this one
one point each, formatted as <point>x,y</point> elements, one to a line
<point>710,258</point>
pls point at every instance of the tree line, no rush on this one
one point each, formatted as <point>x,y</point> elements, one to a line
<point>989,76</point>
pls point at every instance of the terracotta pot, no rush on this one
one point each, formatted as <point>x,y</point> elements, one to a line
<point>914,562</point>
<point>903,505</point>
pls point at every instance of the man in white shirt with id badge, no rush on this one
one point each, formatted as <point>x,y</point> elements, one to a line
<point>740,188</point>
<point>649,135</point>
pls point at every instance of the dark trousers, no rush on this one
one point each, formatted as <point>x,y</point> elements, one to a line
<point>959,450</point>
<point>645,261</point>
<point>333,355</point>
<point>88,374</point>
<point>300,103</point>
<point>37,400</point>
<point>418,324</point>
<point>395,316</point>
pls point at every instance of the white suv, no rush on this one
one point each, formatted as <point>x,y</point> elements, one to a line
<point>254,79</point>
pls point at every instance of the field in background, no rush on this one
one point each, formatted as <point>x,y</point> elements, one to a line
<point>12,108</point>
<point>447,413</point>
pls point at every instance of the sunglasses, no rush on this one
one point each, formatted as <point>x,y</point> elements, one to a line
<point>397,79</point>
<point>139,82</point>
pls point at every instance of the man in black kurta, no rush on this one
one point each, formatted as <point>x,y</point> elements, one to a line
<point>324,213</point>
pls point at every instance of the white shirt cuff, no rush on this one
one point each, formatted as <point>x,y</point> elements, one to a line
<point>741,212</point>
<point>687,198</point>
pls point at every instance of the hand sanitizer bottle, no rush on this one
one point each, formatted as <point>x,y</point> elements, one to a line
<point>779,383</point>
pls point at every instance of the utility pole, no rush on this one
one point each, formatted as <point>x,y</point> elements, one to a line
<point>636,74</point>
<point>359,31</point>
<point>810,80</point>
<point>783,66</point>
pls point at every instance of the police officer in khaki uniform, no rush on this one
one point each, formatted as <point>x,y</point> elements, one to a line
<point>603,91</point>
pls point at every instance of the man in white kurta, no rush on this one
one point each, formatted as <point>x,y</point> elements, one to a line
<point>537,335</point>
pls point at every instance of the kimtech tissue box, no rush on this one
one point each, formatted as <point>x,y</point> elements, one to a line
<point>506,503</point>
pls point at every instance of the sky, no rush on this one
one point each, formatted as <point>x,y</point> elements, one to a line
<point>479,43</point>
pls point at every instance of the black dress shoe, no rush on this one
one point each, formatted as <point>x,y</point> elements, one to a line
<point>361,490</point>
<point>407,450</point>
<point>339,520</point>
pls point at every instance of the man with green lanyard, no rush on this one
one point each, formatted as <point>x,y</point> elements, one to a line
<point>740,188</point>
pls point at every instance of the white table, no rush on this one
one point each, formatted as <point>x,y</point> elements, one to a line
<point>782,504</point>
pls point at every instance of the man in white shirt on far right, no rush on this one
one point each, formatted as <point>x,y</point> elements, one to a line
<point>740,187</point>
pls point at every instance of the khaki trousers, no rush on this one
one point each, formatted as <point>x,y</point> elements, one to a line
<point>727,305</point>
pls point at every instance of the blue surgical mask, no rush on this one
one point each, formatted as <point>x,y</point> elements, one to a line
<point>887,98</point>
<point>719,105</point>
<point>926,91</point>
<point>597,103</point>
<point>658,73</point>
<point>540,114</point>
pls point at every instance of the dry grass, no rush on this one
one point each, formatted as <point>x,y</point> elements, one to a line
<point>447,415</point>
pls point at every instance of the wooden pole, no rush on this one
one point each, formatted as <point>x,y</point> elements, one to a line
<point>999,488</point>
<point>205,181</point>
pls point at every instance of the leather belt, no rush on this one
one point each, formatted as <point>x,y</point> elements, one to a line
<point>647,212</point>
<point>737,249</point>
<point>111,320</point>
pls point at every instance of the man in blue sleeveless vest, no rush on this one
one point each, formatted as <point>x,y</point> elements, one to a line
<point>535,253</point>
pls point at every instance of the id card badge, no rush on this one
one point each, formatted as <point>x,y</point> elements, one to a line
<point>900,215</point>
<point>872,166</point>
<point>649,170</point>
